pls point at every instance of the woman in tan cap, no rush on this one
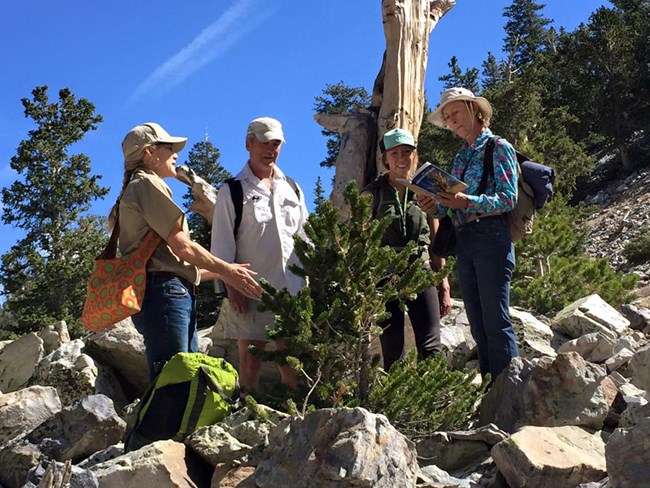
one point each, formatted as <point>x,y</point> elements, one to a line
<point>167,320</point>
<point>408,223</point>
<point>484,248</point>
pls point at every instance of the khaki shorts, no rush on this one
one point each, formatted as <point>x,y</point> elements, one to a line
<point>251,325</point>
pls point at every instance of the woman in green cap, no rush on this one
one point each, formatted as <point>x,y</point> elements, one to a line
<point>409,223</point>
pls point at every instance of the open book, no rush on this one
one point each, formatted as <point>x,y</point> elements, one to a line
<point>430,180</point>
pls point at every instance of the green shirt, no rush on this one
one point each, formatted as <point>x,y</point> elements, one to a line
<point>408,221</point>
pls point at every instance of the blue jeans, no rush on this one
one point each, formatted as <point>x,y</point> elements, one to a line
<point>485,261</point>
<point>167,320</point>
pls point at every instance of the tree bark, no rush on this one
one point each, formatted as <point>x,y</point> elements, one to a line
<point>398,93</point>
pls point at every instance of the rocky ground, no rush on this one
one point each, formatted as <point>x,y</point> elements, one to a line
<point>620,213</point>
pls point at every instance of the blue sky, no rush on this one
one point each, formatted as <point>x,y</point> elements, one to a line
<point>209,67</point>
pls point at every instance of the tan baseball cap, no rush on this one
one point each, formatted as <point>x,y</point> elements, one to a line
<point>149,134</point>
<point>266,129</point>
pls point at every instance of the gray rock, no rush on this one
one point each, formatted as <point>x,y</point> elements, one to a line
<point>628,464</point>
<point>337,448</point>
<point>79,478</point>
<point>640,368</point>
<point>595,347</point>
<point>503,405</point>
<point>18,361</point>
<point>161,464</point>
<point>590,314</point>
<point>72,434</point>
<point>122,348</point>
<point>452,451</point>
<point>558,457</point>
<point>23,410</point>
<point>54,336</point>
<point>566,390</point>
<point>69,370</point>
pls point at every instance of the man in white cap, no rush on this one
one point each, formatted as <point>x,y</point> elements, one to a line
<point>271,211</point>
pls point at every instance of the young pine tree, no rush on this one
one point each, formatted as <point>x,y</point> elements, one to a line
<point>333,320</point>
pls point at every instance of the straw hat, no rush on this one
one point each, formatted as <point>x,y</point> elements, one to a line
<point>458,94</point>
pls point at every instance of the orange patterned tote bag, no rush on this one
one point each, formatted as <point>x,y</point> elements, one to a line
<point>116,286</point>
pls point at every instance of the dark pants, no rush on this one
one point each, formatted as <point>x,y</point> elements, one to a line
<point>167,320</point>
<point>485,262</point>
<point>424,313</point>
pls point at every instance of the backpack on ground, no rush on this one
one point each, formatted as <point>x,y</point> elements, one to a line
<point>534,189</point>
<point>237,196</point>
<point>191,391</point>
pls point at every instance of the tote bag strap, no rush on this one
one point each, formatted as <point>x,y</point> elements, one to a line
<point>147,246</point>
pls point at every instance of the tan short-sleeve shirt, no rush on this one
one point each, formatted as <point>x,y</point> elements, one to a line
<point>147,203</point>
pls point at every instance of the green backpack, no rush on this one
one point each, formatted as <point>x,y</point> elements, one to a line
<point>191,391</point>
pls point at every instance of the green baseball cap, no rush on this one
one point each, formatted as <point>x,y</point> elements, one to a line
<point>397,137</point>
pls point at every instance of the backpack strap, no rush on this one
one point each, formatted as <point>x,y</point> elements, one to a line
<point>488,165</point>
<point>237,196</point>
<point>293,185</point>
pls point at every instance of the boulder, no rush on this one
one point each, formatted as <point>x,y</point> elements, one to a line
<point>72,434</point>
<point>55,471</point>
<point>54,336</point>
<point>566,390</point>
<point>548,392</point>
<point>595,347</point>
<point>628,464</point>
<point>558,457</point>
<point>69,370</point>
<point>162,464</point>
<point>587,315</point>
<point>23,410</point>
<point>18,361</point>
<point>122,348</point>
<point>451,451</point>
<point>337,448</point>
<point>640,368</point>
<point>534,337</point>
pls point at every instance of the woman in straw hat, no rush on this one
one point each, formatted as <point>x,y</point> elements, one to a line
<point>484,248</point>
<point>167,320</point>
<point>409,223</point>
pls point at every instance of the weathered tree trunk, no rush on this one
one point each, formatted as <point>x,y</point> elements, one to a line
<point>398,93</point>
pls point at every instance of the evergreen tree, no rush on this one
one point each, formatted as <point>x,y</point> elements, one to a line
<point>203,158</point>
<point>604,65</point>
<point>44,275</point>
<point>456,77</point>
<point>492,76</point>
<point>526,35</point>
<point>553,270</point>
<point>332,321</point>
<point>338,99</point>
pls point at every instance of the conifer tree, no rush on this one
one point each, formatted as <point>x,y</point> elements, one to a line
<point>338,98</point>
<point>203,158</point>
<point>457,77</point>
<point>553,269</point>
<point>526,35</point>
<point>44,275</point>
<point>333,320</point>
<point>605,65</point>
